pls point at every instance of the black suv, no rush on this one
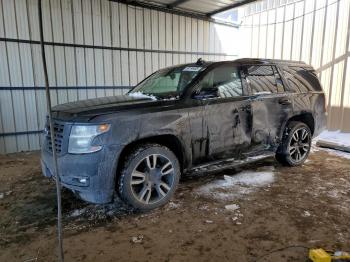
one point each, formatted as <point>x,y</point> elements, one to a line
<point>188,118</point>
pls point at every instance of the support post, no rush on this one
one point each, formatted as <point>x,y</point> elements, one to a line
<point>52,133</point>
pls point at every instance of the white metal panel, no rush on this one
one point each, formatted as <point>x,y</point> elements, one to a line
<point>59,52</point>
<point>79,52</point>
<point>262,34</point>
<point>132,44</point>
<point>182,38</point>
<point>89,53</point>
<point>318,33</point>
<point>288,31</point>
<point>298,30</point>
<point>123,25</point>
<point>147,41</point>
<point>155,40</point>
<point>255,35</point>
<point>188,37</point>
<point>176,39</point>
<point>334,111</point>
<point>212,40</point>
<point>98,41</point>
<point>107,41</point>
<point>15,72</point>
<point>194,43</point>
<point>27,74</point>
<point>68,37</point>
<point>346,102</point>
<point>270,37</point>
<point>307,31</point>
<point>161,38</point>
<point>115,29</point>
<point>168,39</point>
<point>7,144</point>
<point>140,44</point>
<point>330,32</point>
<point>342,28</point>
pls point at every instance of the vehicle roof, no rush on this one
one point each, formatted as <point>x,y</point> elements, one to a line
<point>260,61</point>
<point>250,61</point>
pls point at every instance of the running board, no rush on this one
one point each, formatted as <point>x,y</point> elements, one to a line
<point>228,163</point>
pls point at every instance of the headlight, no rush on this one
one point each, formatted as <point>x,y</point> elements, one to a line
<point>81,137</point>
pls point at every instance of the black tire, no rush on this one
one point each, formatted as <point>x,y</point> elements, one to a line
<point>142,184</point>
<point>284,153</point>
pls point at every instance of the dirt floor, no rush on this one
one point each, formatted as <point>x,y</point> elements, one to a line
<point>269,213</point>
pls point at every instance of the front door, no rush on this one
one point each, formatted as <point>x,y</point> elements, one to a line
<point>226,113</point>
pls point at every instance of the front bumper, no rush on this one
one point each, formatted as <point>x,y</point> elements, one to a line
<point>90,176</point>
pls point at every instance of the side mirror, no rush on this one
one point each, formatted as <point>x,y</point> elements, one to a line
<point>212,92</point>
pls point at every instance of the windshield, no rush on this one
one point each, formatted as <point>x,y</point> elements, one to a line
<point>168,83</point>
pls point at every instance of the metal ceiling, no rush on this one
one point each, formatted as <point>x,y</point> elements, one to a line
<point>195,8</point>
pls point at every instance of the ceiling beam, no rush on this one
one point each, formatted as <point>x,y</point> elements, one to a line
<point>163,8</point>
<point>176,11</point>
<point>235,5</point>
<point>176,3</point>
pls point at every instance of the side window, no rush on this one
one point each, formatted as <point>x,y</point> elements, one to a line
<point>300,79</point>
<point>224,80</point>
<point>264,79</point>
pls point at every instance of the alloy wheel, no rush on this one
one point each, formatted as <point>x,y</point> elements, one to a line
<point>299,145</point>
<point>152,178</point>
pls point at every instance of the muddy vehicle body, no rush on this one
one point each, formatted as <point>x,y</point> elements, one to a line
<point>198,117</point>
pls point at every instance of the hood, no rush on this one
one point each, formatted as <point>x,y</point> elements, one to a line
<point>103,105</point>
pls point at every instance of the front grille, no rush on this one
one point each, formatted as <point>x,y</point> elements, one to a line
<point>58,131</point>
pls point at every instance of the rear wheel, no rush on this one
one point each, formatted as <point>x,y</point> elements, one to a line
<point>149,177</point>
<point>296,144</point>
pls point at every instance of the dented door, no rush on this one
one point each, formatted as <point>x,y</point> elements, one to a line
<point>271,106</point>
<point>228,127</point>
<point>226,112</point>
<point>270,112</point>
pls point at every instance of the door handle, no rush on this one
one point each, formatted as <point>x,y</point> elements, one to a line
<point>284,101</point>
<point>245,108</point>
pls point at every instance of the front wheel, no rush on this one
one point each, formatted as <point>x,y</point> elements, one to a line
<point>149,177</point>
<point>296,144</point>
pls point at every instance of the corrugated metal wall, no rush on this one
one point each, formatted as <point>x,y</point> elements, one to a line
<point>314,31</point>
<point>94,48</point>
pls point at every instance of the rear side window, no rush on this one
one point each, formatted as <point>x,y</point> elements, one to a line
<point>301,80</point>
<point>264,79</point>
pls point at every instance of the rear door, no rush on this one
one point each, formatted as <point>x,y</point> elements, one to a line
<point>227,112</point>
<point>271,106</point>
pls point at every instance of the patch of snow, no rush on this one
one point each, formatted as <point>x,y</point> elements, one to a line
<point>173,205</point>
<point>233,187</point>
<point>209,221</point>
<point>137,240</point>
<point>334,152</point>
<point>342,139</point>
<point>337,137</point>
<point>2,195</point>
<point>78,212</point>
<point>141,95</point>
<point>232,207</point>
<point>306,214</point>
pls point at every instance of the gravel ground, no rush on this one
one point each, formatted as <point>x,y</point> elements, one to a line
<point>262,212</point>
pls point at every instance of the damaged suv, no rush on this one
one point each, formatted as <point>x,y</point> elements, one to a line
<point>198,117</point>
